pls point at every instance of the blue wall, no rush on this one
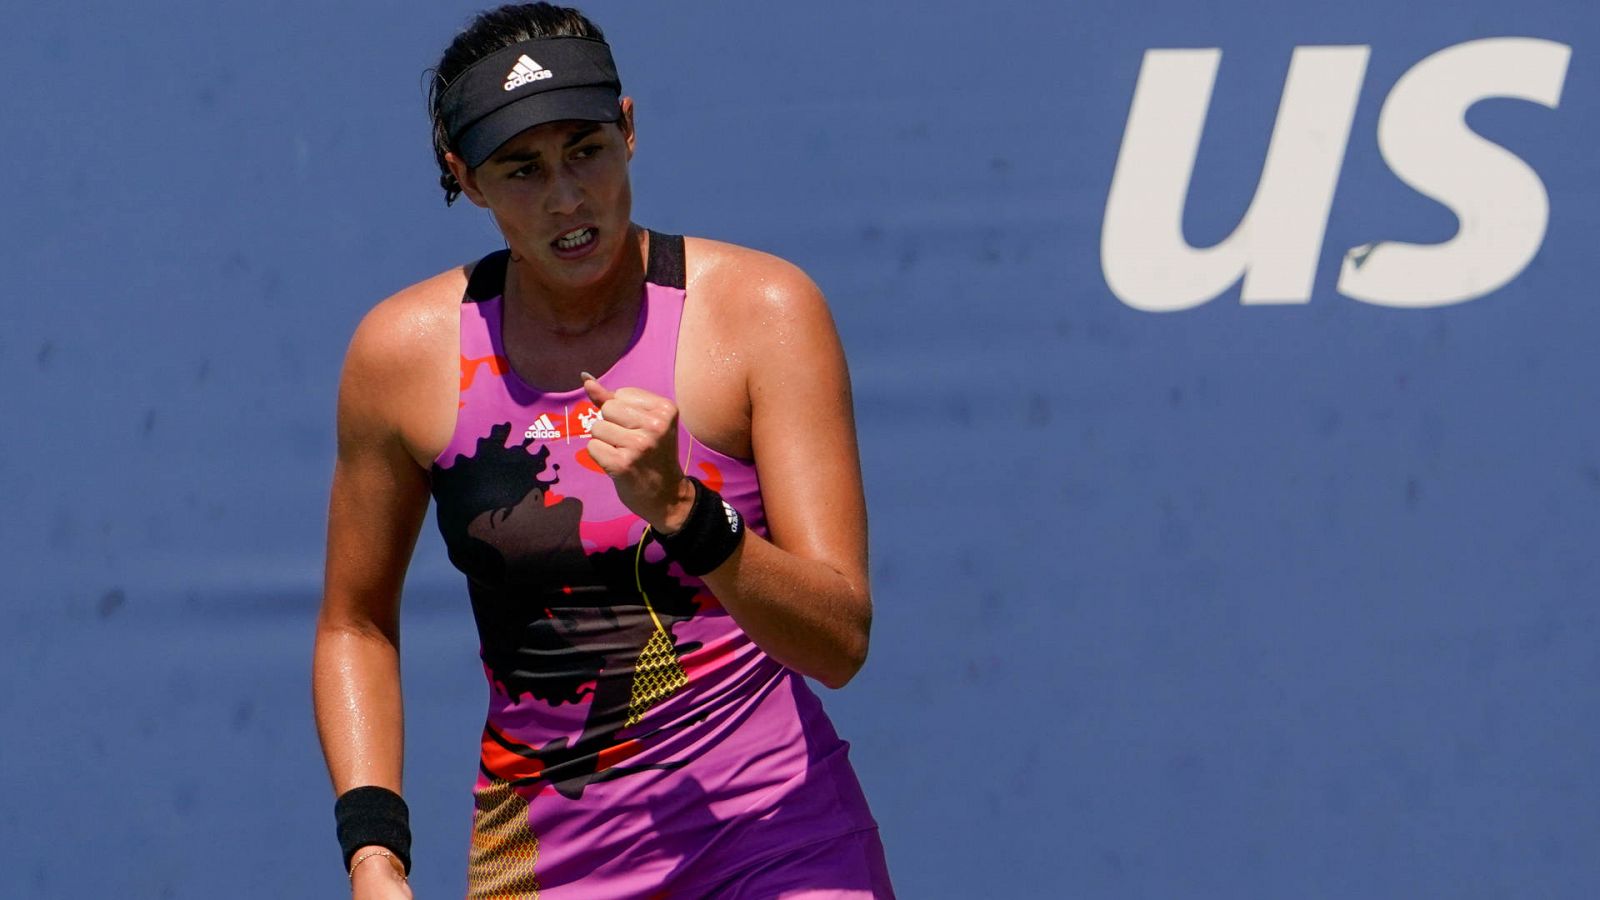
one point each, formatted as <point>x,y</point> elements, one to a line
<point>1237,601</point>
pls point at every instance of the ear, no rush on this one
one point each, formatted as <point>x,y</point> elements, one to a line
<point>467,178</point>
<point>626,124</point>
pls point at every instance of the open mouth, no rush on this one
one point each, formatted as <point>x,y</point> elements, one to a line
<point>574,240</point>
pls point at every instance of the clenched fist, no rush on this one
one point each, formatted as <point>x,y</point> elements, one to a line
<point>636,443</point>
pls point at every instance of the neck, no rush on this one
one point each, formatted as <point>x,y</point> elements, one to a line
<point>572,312</point>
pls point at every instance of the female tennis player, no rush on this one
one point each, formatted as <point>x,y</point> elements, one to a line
<point>654,554</point>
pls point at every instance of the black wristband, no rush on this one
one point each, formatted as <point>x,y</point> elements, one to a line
<point>709,535</point>
<point>373,815</point>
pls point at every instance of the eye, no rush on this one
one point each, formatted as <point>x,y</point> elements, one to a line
<point>586,151</point>
<point>523,171</point>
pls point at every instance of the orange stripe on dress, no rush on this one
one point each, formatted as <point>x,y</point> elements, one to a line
<point>506,764</point>
<point>498,365</point>
<point>616,753</point>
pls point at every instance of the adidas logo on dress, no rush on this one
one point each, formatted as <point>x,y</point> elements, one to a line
<point>543,429</point>
<point>526,71</point>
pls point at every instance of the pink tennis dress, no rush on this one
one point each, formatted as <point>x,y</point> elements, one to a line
<point>638,744</point>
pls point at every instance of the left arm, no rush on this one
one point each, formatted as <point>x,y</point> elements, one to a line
<point>803,596</point>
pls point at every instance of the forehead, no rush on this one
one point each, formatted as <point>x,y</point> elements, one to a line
<point>548,135</point>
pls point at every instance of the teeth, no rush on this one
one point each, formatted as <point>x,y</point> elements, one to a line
<point>574,239</point>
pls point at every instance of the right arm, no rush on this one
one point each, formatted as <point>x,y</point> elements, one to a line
<point>378,500</point>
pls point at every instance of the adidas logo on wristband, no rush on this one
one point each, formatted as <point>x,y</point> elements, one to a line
<point>706,539</point>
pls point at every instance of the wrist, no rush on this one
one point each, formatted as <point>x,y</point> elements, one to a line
<point>372,818</point>
<point>711,532</point>
<point>373,863</point>
<point>677,511</point>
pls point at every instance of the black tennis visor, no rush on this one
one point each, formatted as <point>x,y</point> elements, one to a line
<point>528,84</point>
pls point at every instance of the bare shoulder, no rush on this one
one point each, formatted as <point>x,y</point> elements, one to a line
<point>743,281</point>
<point>410,320</point>
<point>755,299</point>
<point>763,308</point>
<point>400,368</point>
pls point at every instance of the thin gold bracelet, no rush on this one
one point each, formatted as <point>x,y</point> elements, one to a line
<point>399,869</point>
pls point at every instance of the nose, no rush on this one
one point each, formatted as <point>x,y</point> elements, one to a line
<point>565,194</point>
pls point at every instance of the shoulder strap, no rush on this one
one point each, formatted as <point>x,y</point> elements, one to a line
<point>488,278</point>
<point>666,261</point>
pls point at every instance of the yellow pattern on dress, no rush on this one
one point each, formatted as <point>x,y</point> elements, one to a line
<point>504,847</point>
<point>656,676</point>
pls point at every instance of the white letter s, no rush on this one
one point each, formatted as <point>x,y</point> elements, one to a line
<point>1501,203</point>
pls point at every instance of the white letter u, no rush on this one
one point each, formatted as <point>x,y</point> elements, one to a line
<point>1146,260</point>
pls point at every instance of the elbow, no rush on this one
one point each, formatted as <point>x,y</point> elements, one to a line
<point>851,658</point>
<point>838,679</point>
<point>345,618</point>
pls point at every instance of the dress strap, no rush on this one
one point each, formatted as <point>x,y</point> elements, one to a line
<point>666,266</point>
<point>488,278</point>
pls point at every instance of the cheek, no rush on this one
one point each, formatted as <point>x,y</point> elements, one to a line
<point>617,190</point>
<point>510,206</point>
<point>499,210</point>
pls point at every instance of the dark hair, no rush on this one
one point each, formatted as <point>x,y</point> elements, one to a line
<point>493,31</point>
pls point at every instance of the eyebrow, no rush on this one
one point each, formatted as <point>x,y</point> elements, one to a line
<point>576,137</point>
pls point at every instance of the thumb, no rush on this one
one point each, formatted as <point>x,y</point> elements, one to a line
<point>598,393</point>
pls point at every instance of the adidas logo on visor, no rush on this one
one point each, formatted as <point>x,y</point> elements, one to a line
<point>526,71</point>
